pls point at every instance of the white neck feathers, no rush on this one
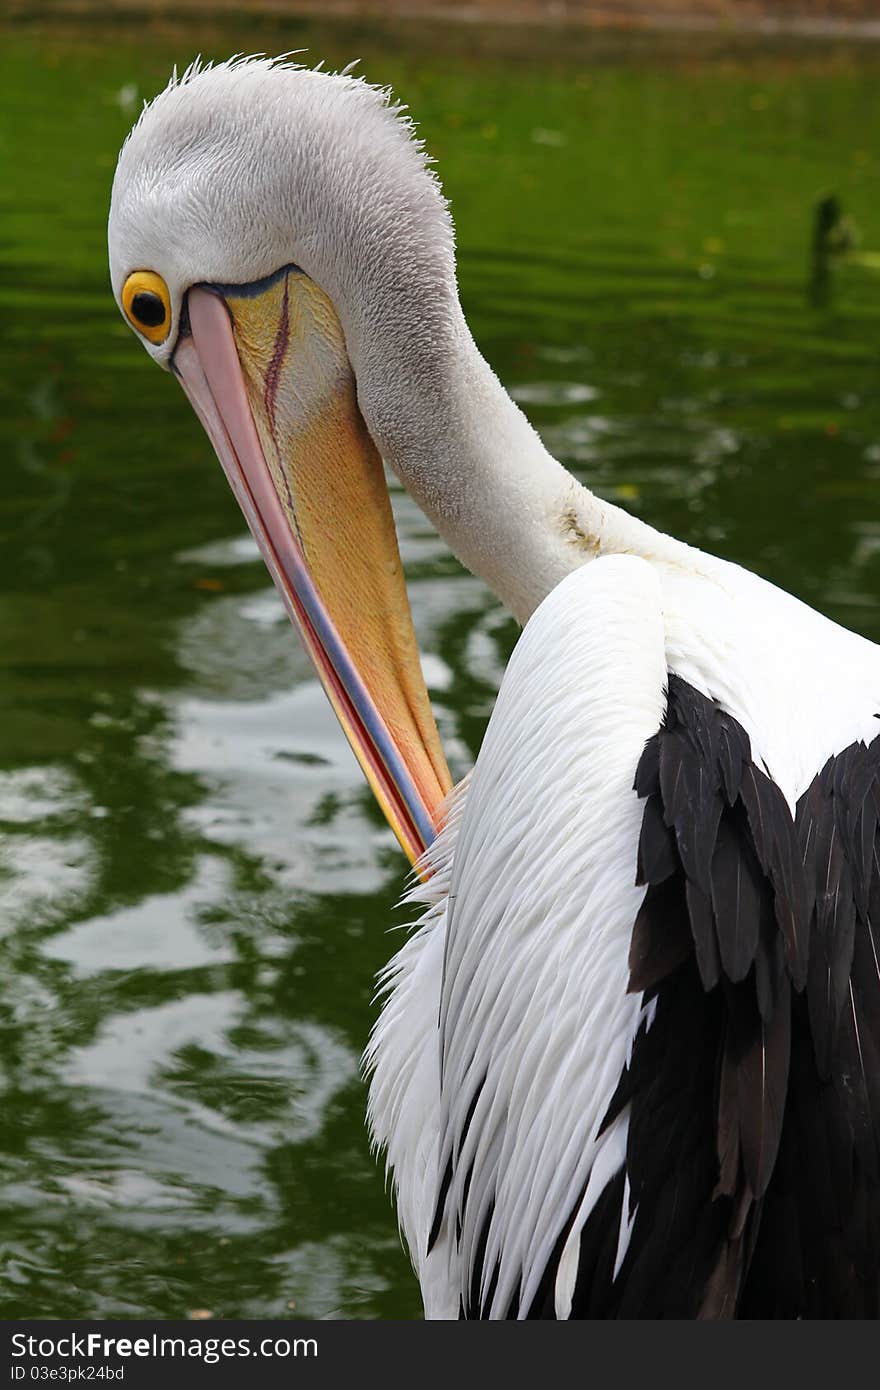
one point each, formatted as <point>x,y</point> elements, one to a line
<point>469,457</point>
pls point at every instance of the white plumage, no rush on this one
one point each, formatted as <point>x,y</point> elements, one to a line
<point>516,1087</point>
<point>524,960</point>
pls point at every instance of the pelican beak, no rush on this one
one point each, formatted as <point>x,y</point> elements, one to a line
<point>266,370</point>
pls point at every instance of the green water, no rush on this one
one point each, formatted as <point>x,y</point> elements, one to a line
<point>195,890</point>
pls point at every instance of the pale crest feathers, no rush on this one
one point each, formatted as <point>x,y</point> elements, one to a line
<point>237,169</point>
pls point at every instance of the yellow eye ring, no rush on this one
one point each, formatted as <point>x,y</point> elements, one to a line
<point>147,304</point>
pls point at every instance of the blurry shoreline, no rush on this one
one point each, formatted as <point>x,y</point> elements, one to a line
<point>848,20</point>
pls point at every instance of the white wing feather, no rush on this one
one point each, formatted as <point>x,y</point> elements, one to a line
<point>543,898</point>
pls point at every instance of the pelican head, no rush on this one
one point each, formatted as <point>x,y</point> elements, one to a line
<point>260,219</point>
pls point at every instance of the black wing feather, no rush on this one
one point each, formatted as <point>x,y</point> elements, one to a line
<point>758,1083</point>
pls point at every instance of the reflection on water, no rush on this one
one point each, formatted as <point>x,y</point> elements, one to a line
<point>195,889</point>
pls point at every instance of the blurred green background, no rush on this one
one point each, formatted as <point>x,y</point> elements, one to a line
<point>195,890</point>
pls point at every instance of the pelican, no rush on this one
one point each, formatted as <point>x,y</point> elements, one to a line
<point>628,1060</point>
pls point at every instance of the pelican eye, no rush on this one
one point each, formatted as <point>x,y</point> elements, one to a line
<point>148,309</point>
<point>147,304</point>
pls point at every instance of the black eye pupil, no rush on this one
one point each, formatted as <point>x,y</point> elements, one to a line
<point>148,309</point>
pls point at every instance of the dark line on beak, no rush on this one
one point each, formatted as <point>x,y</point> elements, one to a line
<point>273,378</point>
<point>273,371</point>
